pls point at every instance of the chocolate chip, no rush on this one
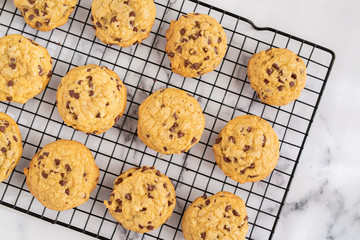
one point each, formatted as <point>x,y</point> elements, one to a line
<point>165,185</point>
<point>209,41</point>
<point>219,40</point>
<point>252,176</point>
<point>193,140</point>
<point>67,191</point>
<point>232,139</point>
<point>249,129</point>
<point>57,161</point>
<point>184,40</point>
<point>203,235</point>
<point>179,49</point>
<point>68,104</point>
<point>12,65</point>
<point>49,74</point>
<point>119,201</point>
<point>227,208</point>
<point>180,134</point>
<point>264,140</point>
<point>10,83</point>
<point>195,36</point>
<point>246,218</point>
<point>46,154</point>
<point>68,168</point>
<point>280,88</point>
<point>158,173</point>
<point>135,29</point>
<point>25,10</point>
<point>45,175</point>
<point>280,81</point>
<point>118,39</point>
<point>175,116</point>
<point>207,202</point>
<point>291,84</point>
<point>36,11</point>
<point>216,50</point>
<point>141,227</point>
<point>293,76</point>
<point>144,168</point>
<point>192,51</point>
<point>38,24</point>
<point>9,98</point>
<point>269,71</point>
<point>40,70</point>
<point>204,196</point>
<point>91,93</point>
<point>170,203</point>
<point>246,148</point>
<point>182,31</point>
<point>226,228</point>
<point>226,159</point>
<point>98,24</point>
<point>62,175</point>
<point>84,175</point>
<point>117,118</point>
<point>275,66</point>
<point>3,149</point>
<point>15,138</point>
<point>128,196</point>
<point>196,66</point>
<point>132,14</point>
<point>132,22</point>
<point>150,227</point>
<point>186,63</point>
<point>171,54</point>
<point>297,59</point>
<point>31,2</point>
<point>62,182</point>
<point>118,210</point>
<point>150,187</point>
<point>150,196</point>
<point>98,115</point>
<point>197,24</point>
<point>235,213</point>
<point>118,181</point>
<point>266,81</point>
<point>126,2</point>
<point>2,129</point>
<point>218,140</point>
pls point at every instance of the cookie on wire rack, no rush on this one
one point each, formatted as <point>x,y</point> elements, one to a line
<point>247,149</point>
<point>142,199</point>
<point>196,44</point>
<point>10,145</point>
<point>62,175</point>
<point>277,75</point>
<point>123,22</point>
<point>25,68</point>
<point>45,15</point>
<point>221,216</point>
<point>91,98</point>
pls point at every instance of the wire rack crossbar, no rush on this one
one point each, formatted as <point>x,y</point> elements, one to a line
<point>144,68</point>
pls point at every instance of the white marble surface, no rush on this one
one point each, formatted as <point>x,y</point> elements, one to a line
<point>324,200</point>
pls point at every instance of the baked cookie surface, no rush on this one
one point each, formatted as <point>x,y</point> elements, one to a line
<point>25,68</point>
<point>247,149</point>
<point>10,145</point>
<point>62,175</point>
<point>170,121</point>
<point>277,75</point>
<point>142,199</point>
<point>123,22</point>
<point>45,15</point>
<point>221,216</point>
<point>196,44</point>
<point>91,98</point>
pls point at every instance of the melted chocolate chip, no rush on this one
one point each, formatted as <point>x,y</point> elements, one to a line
<point>293,76</point>
<point>132,14</point>
<point>128,196</point>
<point>291,84</point>
<point>170,203</point>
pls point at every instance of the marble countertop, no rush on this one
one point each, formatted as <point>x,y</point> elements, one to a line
<point>324,199</point>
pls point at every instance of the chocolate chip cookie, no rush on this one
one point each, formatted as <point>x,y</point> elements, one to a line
<point>123,22</point>
<point>277,75</point>
<point>91,98</point>
<point>196,44</point>
<point>142,199</point>
<point>221,216</point>
<point>247,149</point>
<point>10,145</point>
<point>170,121</point>
<point>25,68</point>
<point>45,15</point>
<point>62,175</point>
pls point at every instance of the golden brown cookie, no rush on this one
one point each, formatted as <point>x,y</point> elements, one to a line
<point>196,44</point>
<point>10,145</point>
<point>142,199</point>
<point>277,75</point>
<point>123,22</point>
<point>170,121</point>
<point>91,98</point>
<point>62,175</point>
<point>25,68</point>
<point>221,216</point>
<point>247,149</point>
<point>45,15</point>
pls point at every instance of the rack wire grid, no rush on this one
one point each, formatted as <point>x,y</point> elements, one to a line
<point>144,68</point>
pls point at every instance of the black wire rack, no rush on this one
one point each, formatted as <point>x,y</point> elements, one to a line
<point>144,68</point>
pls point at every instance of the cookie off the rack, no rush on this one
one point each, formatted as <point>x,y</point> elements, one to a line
<point>142,199</point>
<point>123,22</point>
<point>25,68</point>
<point>10,145</point>
<point>62,175</point>
<point>196,44</point>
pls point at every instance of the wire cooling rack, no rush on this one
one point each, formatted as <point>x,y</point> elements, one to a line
<point>144,68</point>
